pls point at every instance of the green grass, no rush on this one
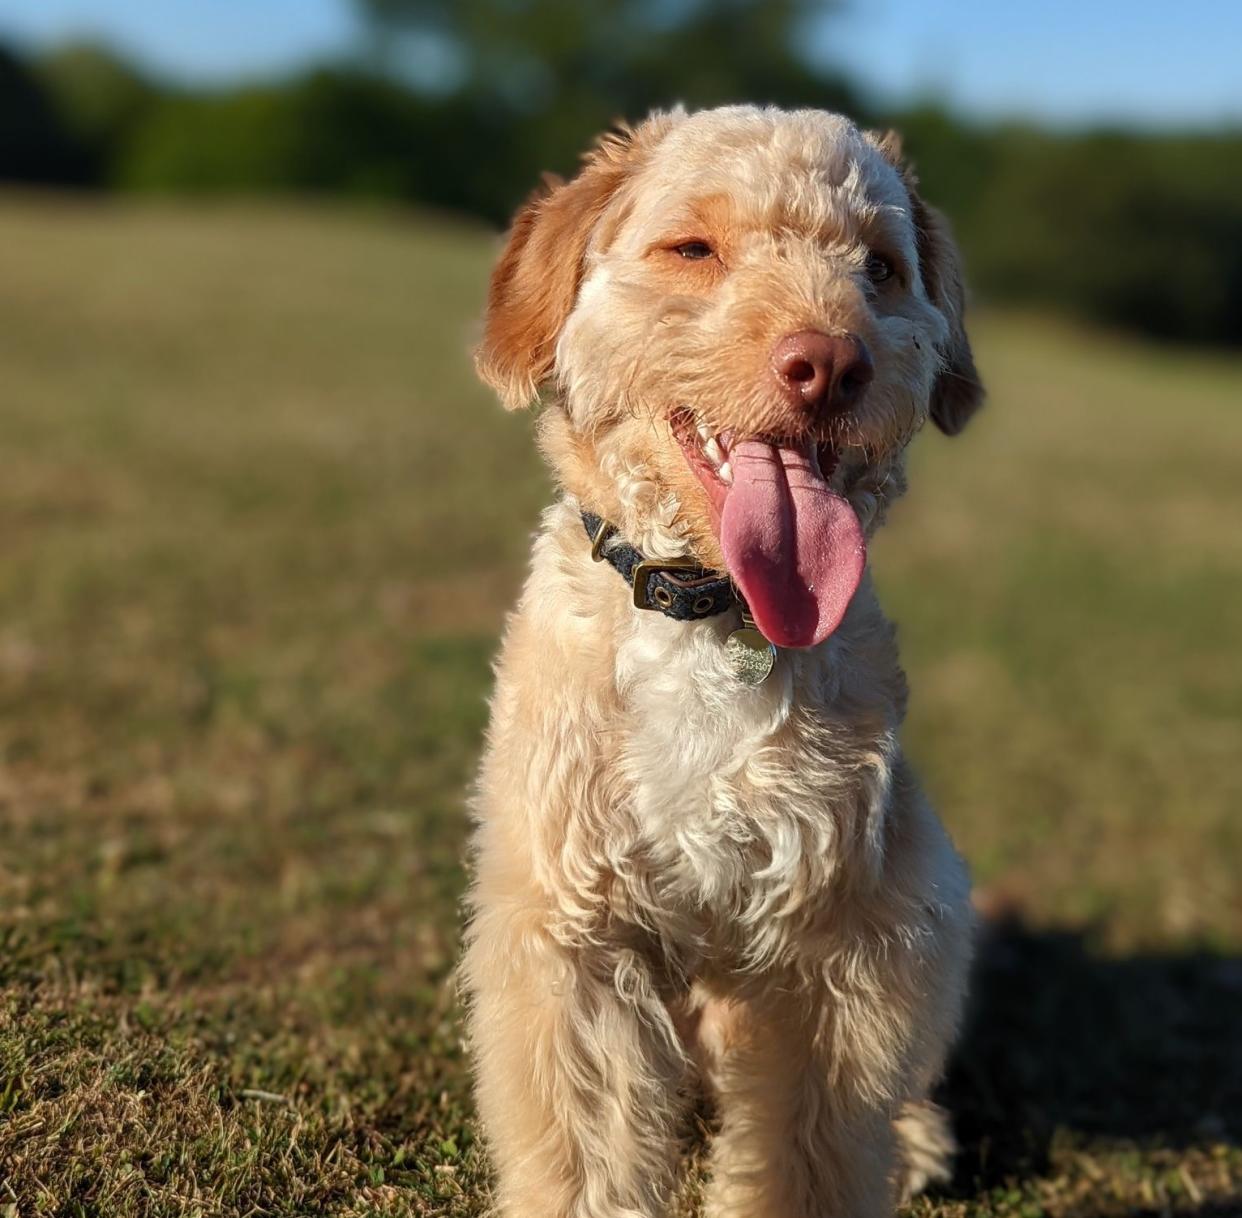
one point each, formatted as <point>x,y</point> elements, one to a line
<point>259,528</point>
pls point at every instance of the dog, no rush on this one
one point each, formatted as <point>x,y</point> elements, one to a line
<point>701,862</point>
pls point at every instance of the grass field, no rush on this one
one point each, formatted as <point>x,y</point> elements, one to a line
<point>259,529</point>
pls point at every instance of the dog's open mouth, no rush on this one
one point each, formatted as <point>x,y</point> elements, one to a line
<point>793,546</point>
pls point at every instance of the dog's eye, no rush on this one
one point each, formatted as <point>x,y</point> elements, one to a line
<point>695,251</point>
<point>879,268</point>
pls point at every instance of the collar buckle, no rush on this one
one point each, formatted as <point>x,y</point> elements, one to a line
<point>680,588</point>
<point>646,570</point>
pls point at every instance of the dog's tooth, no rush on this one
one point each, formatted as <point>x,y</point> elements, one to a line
<point>726,474</point>
<point>705,432</point>
<point>712,450</point>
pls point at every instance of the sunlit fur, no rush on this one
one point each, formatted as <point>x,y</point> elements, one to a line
<point>682,882</point>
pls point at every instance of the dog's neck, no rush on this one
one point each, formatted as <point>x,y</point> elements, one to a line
<point>679,588</point>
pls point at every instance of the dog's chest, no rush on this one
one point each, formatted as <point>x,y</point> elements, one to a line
<point>727,813</point>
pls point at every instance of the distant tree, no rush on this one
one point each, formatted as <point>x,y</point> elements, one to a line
<point>527,51</point>
<point>1139,231</point>
<point>35,143</point>
<point>542,76</point>
<point>331,131</point>
<point>100,98</point>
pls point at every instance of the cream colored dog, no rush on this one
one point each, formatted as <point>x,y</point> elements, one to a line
<point>691,869</point>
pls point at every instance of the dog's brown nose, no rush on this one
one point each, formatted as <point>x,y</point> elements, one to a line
<point>825,374</point>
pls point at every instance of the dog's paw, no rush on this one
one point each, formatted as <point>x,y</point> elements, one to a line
<point>926,1145</point>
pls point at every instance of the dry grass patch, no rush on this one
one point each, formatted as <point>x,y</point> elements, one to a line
<point>259,530</point>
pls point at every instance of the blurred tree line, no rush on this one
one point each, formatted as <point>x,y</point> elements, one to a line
<point>458,104</point>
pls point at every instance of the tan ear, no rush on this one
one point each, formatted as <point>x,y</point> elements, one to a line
<point>536,281</point>
<point>957,393</point>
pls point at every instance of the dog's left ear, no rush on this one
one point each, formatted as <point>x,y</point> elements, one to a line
<point>958,392</point>
<point>536,281</point>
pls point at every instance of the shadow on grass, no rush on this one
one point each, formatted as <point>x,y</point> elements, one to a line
<point>1064,1043</point>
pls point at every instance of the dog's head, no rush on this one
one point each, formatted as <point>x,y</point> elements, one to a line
<point>742,316</point>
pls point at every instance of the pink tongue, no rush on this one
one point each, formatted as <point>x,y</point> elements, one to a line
<point>794,547</point>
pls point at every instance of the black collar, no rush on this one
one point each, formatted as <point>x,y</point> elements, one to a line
<point>676,587</point>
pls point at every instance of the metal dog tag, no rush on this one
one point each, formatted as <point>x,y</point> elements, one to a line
<point>751,656</point>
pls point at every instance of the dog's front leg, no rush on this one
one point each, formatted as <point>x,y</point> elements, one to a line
<point>579,1073</point>
<point>791,1143</point>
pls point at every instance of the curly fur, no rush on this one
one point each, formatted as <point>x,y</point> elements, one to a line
<point>681,881</point>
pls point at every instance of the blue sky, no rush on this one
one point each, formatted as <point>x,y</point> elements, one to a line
<point>1058,60</point>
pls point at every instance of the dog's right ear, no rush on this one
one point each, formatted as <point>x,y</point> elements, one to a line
<point>536,281</point>
<point>958,392</point>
